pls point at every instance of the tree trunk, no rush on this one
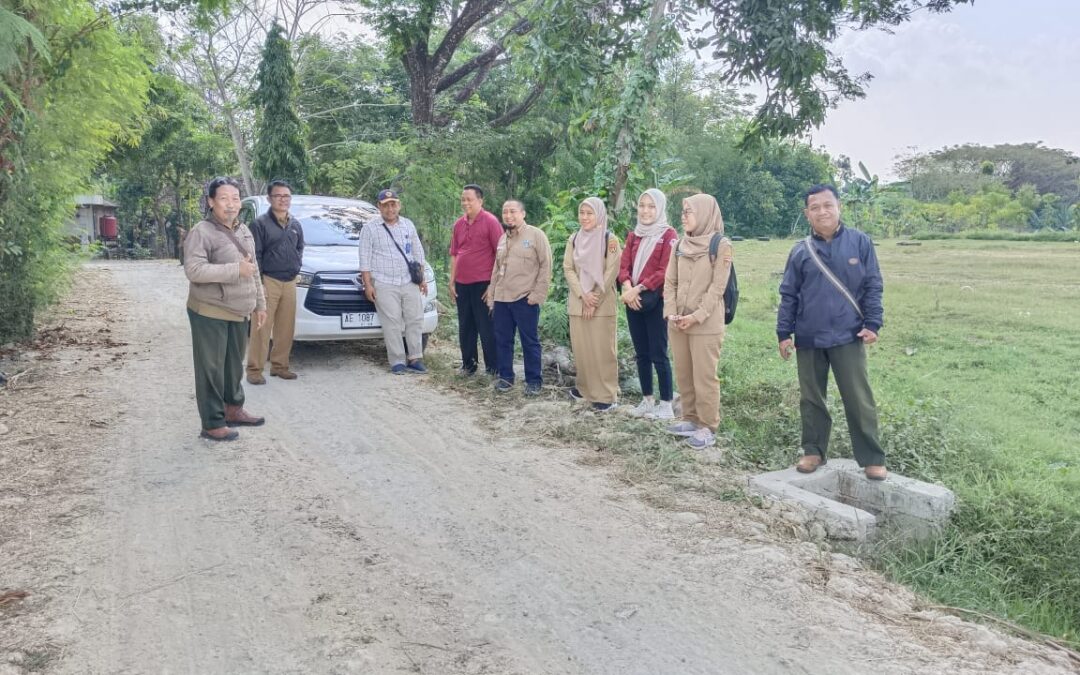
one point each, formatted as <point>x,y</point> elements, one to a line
<point>624,148</point>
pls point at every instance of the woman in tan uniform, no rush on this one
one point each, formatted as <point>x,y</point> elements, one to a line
<point>591,263</point>
<point>694,308</point>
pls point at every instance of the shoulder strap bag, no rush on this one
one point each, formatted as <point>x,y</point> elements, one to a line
<point>832,277</point>
<point>416,270</point>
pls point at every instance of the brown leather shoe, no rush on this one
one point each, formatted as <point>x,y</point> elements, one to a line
<point>236,416</point>
<point>219,434</point>
<point>875,472</point>
<point>284,374</point>
<point>809,463</point>
<point>256,378</point>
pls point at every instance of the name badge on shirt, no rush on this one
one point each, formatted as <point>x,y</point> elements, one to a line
<point>526,243</point>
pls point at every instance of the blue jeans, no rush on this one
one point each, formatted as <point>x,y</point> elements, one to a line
<point>525,318</point>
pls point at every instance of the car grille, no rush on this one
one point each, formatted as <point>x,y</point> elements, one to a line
<point>333,294</point>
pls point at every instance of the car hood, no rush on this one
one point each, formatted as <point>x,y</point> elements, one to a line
<point>335,259</point>
<point>331,258</point>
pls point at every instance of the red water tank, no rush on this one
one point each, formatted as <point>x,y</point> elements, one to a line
<point>107,226</point>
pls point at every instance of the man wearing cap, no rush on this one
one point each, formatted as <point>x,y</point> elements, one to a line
<point>387,245</point>
<point>472,255</point>
<point>519,285</point>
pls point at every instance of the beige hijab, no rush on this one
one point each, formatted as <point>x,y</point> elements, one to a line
<point>589,248</point>
<point>709,222</point>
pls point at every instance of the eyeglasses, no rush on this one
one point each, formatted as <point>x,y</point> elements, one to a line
<point>688,212</point>
<point>280,196</point>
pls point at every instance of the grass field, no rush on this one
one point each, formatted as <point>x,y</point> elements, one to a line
<point>977,381</point>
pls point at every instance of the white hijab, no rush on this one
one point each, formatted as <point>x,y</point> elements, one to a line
<point>650,234</point>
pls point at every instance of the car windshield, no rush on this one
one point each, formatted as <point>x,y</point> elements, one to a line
<point>332,225</point>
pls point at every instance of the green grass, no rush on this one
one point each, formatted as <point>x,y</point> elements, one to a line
<point>977,387</point>
<point>976,379</point>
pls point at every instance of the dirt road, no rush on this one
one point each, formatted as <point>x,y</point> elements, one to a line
<point>376,525</point>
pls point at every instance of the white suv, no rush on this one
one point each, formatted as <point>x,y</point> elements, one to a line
<point>330,301</point>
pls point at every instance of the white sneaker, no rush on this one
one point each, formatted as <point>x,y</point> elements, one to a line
<point>702,438</point>
<point>663,411</point>
<point>643,409</point>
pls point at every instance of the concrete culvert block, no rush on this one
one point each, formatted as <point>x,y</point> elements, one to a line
<point>851,507</point>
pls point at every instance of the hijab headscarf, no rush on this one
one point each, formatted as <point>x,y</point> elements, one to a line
<point>589,248</point>
<point>709,222</point>
<point>650,234</point>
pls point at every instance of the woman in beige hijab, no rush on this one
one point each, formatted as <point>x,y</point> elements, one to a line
<point>694,308</point>
<point>591,263</point>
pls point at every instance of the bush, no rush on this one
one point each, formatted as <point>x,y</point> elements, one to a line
<point>1001,235</point>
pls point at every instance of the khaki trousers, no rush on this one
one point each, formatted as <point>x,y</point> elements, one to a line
<point>401,313</point>
<point>696,358</point>
<point>595,357</point>
<point>280,324</point>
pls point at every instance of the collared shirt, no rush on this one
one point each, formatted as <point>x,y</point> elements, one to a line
<point>522,266</point>
<point>279,248</point>
<point>381,258</point>
<point>474,244</point>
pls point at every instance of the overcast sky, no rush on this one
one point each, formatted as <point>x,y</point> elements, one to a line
<point>1001,71</point>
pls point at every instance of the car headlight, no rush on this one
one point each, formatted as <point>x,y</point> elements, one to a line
<point>429,307</point>
<point>304,279</point>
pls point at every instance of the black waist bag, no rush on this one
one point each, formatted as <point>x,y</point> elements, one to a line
<point>416,270</point>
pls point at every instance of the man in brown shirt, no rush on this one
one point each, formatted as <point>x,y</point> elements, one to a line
<point>519,285</point>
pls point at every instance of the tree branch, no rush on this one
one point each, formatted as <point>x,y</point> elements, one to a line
<point>485,58</point>
<point>473,12</point>
<point>515,113</point>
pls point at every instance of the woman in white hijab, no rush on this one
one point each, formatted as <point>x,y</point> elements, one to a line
<point>641,276</point>
<point>591,263</point>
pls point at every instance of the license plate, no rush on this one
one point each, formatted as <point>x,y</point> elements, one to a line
<point>359,320</point>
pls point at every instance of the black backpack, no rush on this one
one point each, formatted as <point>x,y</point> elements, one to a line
<point>731,291</point>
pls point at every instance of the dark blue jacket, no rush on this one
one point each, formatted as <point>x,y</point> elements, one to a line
<point>813,309</point>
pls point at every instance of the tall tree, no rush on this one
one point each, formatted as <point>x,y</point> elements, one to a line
<point>279,135</point>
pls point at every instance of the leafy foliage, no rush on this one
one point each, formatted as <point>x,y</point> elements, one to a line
<point>93,69</point>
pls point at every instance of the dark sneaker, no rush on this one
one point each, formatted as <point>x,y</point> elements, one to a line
<point>575,394</point>
<point>532,389</point>
<point>465,372</point>
<point>417,367</point>
<point>603,407</point>
<point>503,385</point>
<point>398,369</point>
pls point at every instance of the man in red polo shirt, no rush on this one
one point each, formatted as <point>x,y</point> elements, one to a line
<point>472,256</point>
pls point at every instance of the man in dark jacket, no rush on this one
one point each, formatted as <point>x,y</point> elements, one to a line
<point>830,299</point>
<point>279,250</point>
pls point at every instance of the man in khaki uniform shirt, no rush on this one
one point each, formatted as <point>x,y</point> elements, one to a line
<point>519,285</point>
